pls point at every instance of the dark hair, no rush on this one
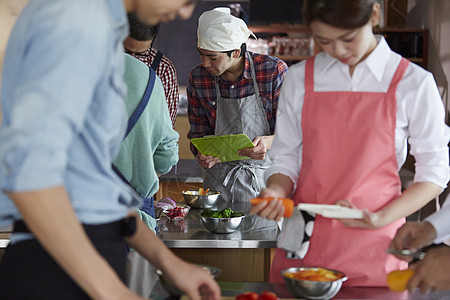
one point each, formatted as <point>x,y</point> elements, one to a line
<point>347,14</point>
<point>243,50</point>
<point>141,31</point>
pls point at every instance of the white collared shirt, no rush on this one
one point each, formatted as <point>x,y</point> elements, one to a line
<point>420,112</point>
<point>441,222</point>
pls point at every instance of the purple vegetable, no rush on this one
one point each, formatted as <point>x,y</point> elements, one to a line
<point>166,203</point>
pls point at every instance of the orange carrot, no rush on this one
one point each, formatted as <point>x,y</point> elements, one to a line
<point>287,203</point>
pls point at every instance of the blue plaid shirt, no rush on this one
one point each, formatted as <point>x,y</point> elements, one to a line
<point>201,92</point>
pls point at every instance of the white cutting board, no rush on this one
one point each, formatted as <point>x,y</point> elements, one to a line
<point>332,211</point>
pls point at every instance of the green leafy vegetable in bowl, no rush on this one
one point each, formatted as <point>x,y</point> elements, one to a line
<point>225,213</point>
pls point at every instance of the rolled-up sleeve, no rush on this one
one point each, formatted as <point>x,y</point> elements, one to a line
<point>46,106</point>
<point>429,136</point>
<point>441,222</point>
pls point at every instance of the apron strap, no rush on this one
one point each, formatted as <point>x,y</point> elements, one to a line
<point>217,88</point>
<point>133,120</point>
<point>309,75</point>
<point>157,60</point>
<point>143,104</point>
<point>252,69</point>
<point>234,174</point>
<point>401,69</point>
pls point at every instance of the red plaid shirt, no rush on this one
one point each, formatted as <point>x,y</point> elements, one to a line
<point>168,75</point>
<point>201,92</point>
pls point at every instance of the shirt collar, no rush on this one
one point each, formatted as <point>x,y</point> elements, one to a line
<point>376,62</point>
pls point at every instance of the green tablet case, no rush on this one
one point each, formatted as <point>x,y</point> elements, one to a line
<point>224,147</point>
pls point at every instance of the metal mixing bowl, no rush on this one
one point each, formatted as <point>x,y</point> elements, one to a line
<point>312,289</point>
<point>158,211</point>
<point>222,225</point>
<point>174,291</point>
<point>194,200</point>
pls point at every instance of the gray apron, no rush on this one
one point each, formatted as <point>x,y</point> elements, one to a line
<point>240,181</point>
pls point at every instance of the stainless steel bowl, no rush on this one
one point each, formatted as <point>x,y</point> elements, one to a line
<point>174,291</point>
<point>194,200</point>
<point>312,289</point>
<point>222,225</point>
<point>158,211</point>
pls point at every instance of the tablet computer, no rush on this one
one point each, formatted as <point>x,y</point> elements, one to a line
<point>224,147</point>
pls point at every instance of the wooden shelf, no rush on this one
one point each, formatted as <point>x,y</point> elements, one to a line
<point>416,60</point>
<point>279,28</point>
<point>291,57</point>
<point>411,43</point>
<point>387,32</point>
<point>397,29</point>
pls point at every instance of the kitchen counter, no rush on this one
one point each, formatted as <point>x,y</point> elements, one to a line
<point>232,289</point>
<point>190,233</point>
<point>244,255</point>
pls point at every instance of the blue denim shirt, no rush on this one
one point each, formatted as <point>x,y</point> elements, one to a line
<point>63,114</point>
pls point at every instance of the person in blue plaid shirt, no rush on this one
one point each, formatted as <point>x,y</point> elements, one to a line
<point>233,92</point>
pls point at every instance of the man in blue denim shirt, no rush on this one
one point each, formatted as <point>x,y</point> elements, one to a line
<point>63,121</point>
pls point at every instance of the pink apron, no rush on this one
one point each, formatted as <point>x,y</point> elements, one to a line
<point>348,153</point>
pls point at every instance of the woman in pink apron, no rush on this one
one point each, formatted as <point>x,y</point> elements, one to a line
<point>343,122</point>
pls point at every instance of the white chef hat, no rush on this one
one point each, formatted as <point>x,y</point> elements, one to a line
<point>218,30</point>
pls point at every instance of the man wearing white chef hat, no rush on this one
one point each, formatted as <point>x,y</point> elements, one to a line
<point>218,30</point>
<point>233,92</point>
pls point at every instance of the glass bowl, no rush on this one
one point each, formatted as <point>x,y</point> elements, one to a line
<point>178,213</point>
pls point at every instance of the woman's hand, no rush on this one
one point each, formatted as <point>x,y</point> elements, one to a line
<point>207,162</point>
<point>278,186</point>
<point>370,220</point>
<point>272,210</point>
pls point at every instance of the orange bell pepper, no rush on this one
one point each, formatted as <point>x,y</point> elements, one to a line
<point>398,280</point>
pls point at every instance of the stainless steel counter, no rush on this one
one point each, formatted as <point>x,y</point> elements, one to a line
<point>254,232</point>
<point>232,289</point>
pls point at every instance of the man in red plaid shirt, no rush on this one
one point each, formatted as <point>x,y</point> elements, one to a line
<point>232,92</point>
<point>139,44</point>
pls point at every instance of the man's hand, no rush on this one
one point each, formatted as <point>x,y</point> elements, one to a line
<point>207,161</point>
<point>201,285</point>
<point>413,236</point>
<point>258,152</point>
<point>431,273</point>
